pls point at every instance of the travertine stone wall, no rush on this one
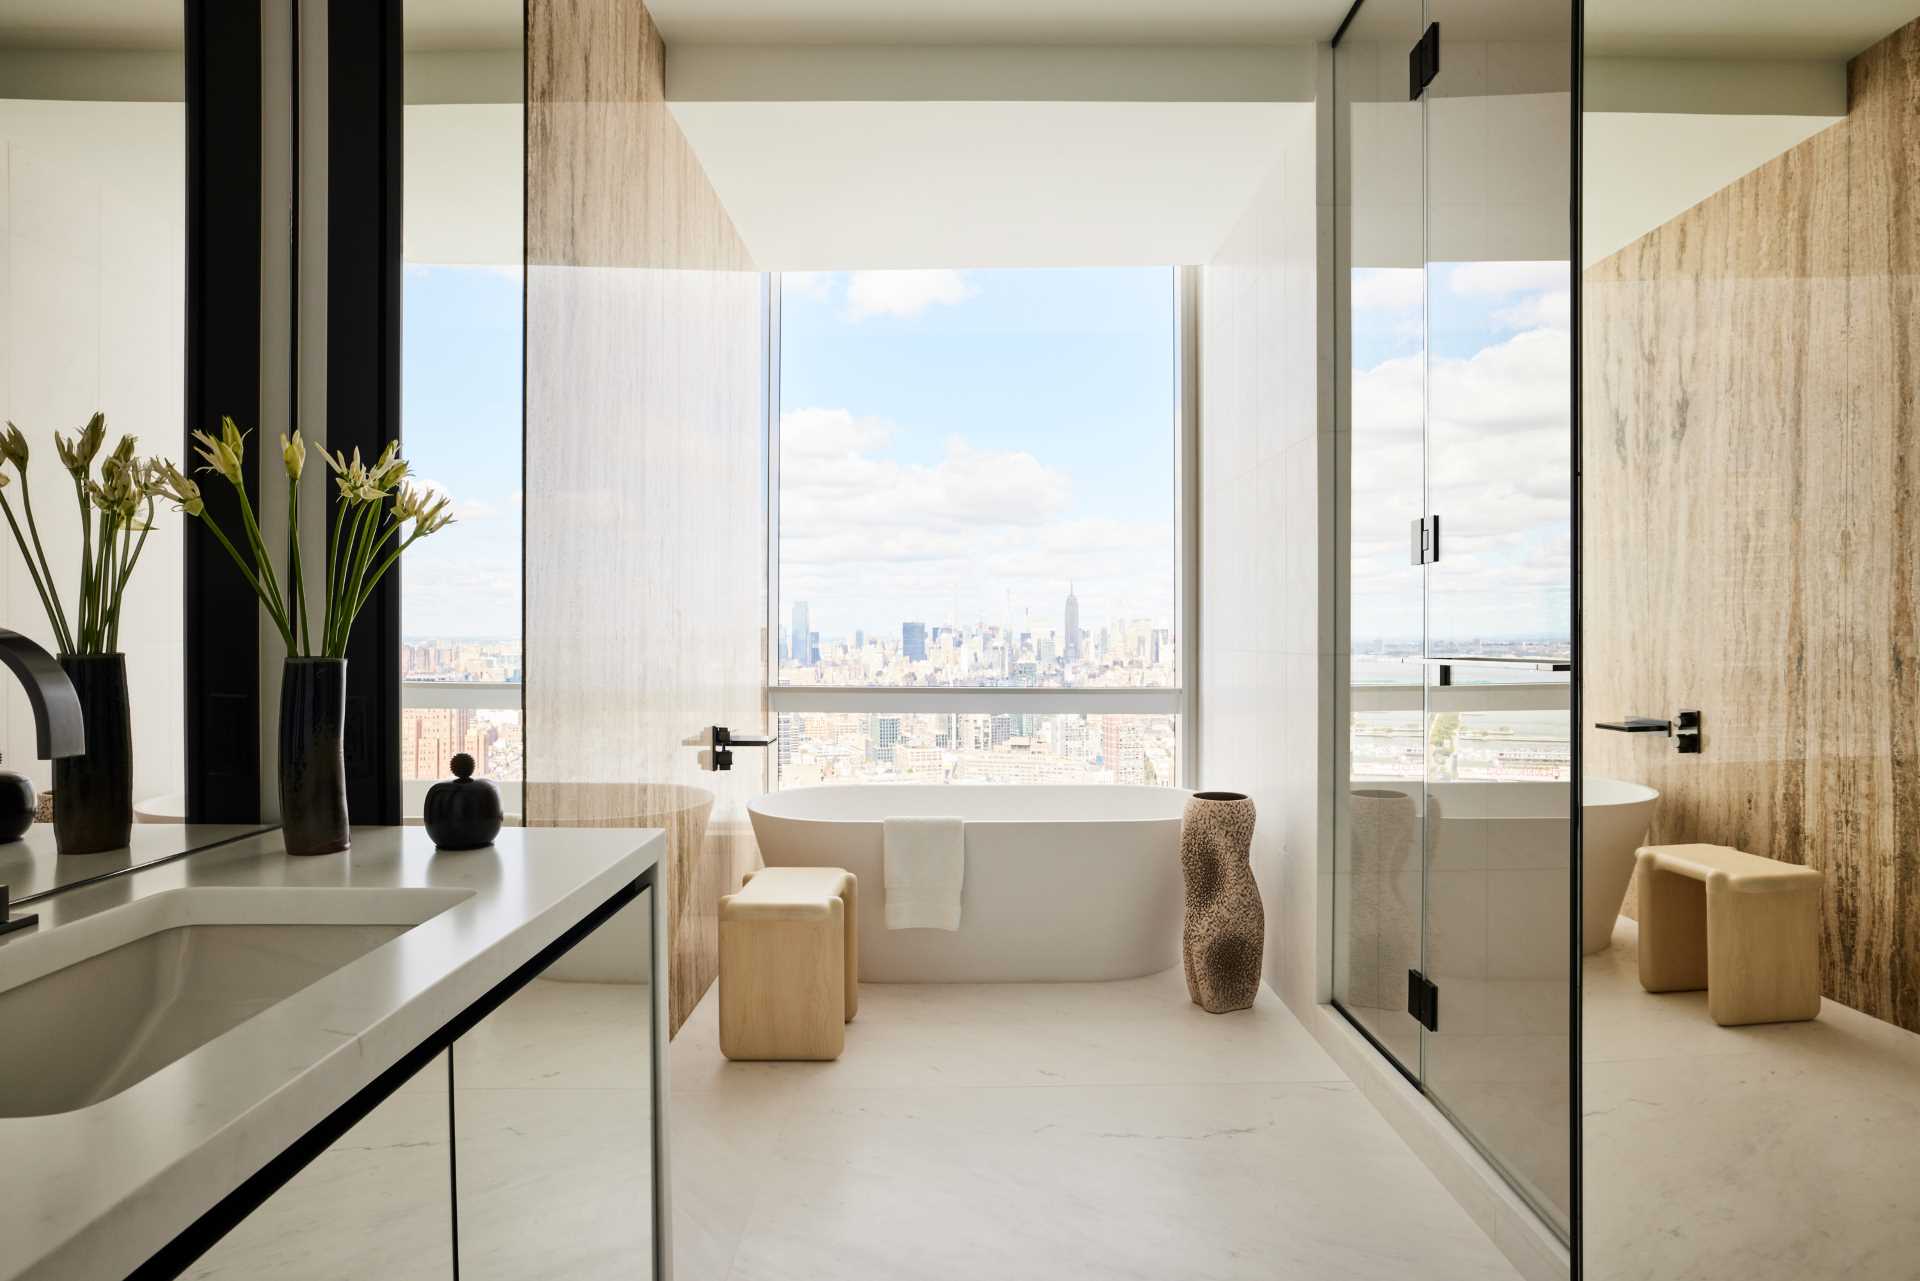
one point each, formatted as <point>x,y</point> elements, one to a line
<point>1752,533</point>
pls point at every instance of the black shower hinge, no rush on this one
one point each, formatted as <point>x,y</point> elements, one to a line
<point>1423,1001</point>
<point>1423,62</point>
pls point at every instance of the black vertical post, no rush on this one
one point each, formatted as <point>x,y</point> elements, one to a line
<point>222,646</point>
<point>363,353</point>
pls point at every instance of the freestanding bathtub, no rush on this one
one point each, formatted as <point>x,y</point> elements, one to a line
<point>1063,883</point>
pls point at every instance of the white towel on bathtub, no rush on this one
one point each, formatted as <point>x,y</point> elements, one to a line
<point>926,862</point>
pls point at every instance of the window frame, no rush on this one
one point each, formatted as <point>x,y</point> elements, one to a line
<point>1176,700</point>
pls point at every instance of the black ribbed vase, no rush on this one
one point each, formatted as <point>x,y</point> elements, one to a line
<point>93,792</point>
<point>313,766</point>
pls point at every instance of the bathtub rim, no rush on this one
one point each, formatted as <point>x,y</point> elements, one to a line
<point>756,807</point>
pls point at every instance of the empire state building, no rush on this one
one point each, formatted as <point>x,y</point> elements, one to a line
<point>1072,650</point>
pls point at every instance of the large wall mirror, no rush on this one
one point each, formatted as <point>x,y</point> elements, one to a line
<point>1750,314</point>
<point>93,280</point>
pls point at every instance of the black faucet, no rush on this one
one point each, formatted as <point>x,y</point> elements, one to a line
<point>58,728</point>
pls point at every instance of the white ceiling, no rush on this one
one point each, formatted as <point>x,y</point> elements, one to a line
<point>832,185</point>
<point>997,21</point>
<point>1796,29</point>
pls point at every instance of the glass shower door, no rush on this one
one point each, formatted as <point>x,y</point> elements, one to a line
<point>1498,778</point>
<point>1379,893</point>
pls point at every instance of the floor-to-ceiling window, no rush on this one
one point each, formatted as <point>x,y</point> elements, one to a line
<point>978,527</point>
<point>462,310</point>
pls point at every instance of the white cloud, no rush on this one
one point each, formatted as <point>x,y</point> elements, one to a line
<point>1548,309</point>
<point>1496,466</point>
<point>807,284</point>
<point>468,509</point>
<point>904,293</point>
<point>1389,289</point>
<point>869,539</point>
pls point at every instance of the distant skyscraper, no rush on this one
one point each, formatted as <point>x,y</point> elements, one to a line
<point>1073,626</point>
<point>801,642</point>
<point>913,641</point>
<point>859,640</point>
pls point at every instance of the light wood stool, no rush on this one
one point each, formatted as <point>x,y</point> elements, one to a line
<point>1745,928</point>
<point>789,964</point>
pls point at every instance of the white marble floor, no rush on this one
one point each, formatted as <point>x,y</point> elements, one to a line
<point>1051,1131</point>
<point>1777,1152</point>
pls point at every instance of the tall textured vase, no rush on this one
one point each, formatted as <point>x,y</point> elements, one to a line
<point>313,765</point>
<point>1226,927</point>
<point>93,792</point>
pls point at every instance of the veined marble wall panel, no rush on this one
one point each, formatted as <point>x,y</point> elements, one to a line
<point>1751,542</point>
<point>646,527</point>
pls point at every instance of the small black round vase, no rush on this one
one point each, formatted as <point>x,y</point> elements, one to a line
<point>463,813</point>
<point>17,805</point>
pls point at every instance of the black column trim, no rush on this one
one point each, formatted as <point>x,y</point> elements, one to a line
<point>363,354</point>
<point>221,664</point>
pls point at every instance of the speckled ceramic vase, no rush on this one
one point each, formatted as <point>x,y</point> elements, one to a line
<point>1226,927</point>
<point>313,764</point>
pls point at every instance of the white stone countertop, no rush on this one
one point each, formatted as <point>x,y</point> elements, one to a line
<point>31,864</point>
<point>93,1193</point>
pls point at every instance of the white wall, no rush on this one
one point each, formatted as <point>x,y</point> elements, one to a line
<point>1266,622</point>
<point>92,306</point>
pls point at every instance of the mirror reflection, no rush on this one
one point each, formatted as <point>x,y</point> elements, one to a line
<point>1751,993</point>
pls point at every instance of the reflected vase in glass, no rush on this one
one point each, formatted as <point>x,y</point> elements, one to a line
<point>93,792</point>
<point>313,766</point>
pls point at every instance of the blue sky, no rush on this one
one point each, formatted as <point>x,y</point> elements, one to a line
<point>460,427</point>
<point>1013,430</point>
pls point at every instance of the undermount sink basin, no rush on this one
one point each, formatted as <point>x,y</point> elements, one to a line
<point>91,1008</point>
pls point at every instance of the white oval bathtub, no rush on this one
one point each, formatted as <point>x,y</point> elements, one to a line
<point>1062,883</point>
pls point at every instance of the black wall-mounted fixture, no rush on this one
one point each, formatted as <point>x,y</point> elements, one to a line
<point>724,742</point>
<point>1684,729</point>
<point>9,924</point>
<point>1423,1000</point>
<point>1423,62</point>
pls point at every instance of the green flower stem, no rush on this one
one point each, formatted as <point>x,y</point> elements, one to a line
<point>53,615</point>
<point>333,572</point>
<point>263,561</point>
<point>86,563</point>
<point>253,581</point>
<point>296,572</point>
<point>126,576</point>
<point>60,625</point>
<point>375,537</point>
<point>365,522</point>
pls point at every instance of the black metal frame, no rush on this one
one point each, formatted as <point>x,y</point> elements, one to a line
<point>221,656</point>
<point>364,84</point>
<point>179,1254</point>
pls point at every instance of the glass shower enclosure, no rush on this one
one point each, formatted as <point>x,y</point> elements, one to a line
<point>1454,893</point>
